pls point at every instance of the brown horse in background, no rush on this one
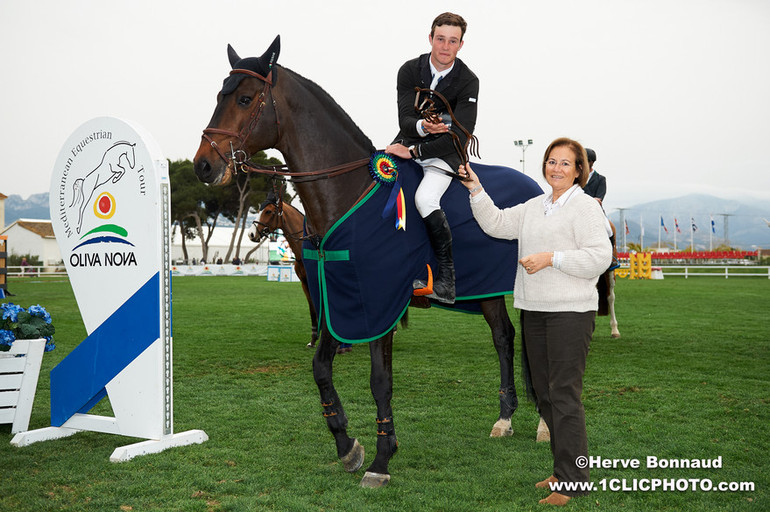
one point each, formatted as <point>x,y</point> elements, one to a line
<point>275,215</point>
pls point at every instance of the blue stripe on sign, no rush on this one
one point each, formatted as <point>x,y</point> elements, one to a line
<point>77,383</point>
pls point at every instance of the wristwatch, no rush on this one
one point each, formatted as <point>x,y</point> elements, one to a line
<point>412,152</point>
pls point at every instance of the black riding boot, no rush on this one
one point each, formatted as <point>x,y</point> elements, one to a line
<point>441,240</point>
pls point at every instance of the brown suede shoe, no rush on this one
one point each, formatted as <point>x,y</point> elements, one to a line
<point>556,499</point>
<point>545,483</point>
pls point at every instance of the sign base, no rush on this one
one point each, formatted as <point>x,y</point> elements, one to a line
<point>122,453</point>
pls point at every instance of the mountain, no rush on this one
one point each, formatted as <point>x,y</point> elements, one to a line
<point>34,207</point>
<point>745,225</point>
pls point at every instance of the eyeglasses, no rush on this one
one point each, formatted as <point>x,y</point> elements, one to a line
<point>564,164</point>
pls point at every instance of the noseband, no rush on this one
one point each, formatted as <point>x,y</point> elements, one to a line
<point>240,158</point>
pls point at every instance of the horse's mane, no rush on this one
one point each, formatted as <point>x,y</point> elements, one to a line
<point>321,94</point>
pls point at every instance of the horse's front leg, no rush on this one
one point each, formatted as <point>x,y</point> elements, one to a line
<point>350,452</point>
<point>611,300</point>
<point>381,383</point>
<point>503,334</point>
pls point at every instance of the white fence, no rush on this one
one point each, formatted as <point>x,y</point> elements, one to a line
<point>725,271</point>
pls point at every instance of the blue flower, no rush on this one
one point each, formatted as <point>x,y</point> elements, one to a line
<point>41,312</point>
<point>11,311</point>
<point>6,337</point>
<point>49,344</point>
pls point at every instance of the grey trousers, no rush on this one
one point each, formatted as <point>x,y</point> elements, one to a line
<point>556,347</point>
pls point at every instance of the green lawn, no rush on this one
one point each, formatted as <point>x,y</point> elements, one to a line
<point>689,378</point>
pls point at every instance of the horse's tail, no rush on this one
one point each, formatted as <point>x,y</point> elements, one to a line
<point>405,320</point>
<point>77,192</point>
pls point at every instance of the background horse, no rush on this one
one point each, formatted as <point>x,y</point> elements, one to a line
<point>606,288</point>
<point>275,215</point>
<point>264,105</point>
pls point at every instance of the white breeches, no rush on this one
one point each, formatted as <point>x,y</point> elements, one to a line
<point>434,183</point>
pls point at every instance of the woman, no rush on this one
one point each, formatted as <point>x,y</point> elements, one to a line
<point>563,248</point>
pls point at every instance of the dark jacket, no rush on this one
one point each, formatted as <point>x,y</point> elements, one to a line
<point>460,88</point>
<point>596,186</point>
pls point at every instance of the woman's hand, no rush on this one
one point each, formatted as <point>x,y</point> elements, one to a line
<point>536,262</point>
<point>471,181</point>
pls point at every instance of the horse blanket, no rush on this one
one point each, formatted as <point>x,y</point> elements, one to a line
<point>360,275</point>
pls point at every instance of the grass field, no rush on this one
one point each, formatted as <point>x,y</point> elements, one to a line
<point>688,379</point>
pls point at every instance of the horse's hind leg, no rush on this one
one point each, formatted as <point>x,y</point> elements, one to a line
<point>503,333</point>
<point>350,452</point>
<point>381,383</point>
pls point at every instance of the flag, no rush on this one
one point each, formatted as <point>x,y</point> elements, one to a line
<point>676,223</point>
<point>694,227</point>
<point>626,223</point>
<point>713,230</point>
<point>663,225</point>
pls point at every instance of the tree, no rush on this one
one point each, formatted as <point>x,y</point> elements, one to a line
<point>196,207</point>
<point>193,205</point>
<point>247,191</point>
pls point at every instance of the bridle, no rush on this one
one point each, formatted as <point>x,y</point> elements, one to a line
<point>264,229</point>
<point>240,158</point>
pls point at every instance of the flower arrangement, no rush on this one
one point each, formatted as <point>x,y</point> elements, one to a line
<point>20,324</point>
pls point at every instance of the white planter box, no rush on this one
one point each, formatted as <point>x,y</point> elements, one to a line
<point>19,370</point>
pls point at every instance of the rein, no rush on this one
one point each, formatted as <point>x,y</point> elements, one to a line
<point>239,157</point>
<point>427,110</point>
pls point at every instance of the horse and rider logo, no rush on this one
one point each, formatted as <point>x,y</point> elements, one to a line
<point>95,192</point>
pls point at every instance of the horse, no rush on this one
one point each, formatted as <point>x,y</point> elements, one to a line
<point>606,288</point>
<point>264,105</point>
<point>110,168</point>
<point>275,215</point>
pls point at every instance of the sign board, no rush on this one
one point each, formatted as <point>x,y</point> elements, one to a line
<point>110,208</point>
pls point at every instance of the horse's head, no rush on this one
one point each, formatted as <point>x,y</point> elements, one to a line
<point>268,222</point>
<point>244,120</point>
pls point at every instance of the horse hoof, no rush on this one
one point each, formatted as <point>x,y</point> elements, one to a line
<point>374,480</point>
<point>543,434</point>
<point>354,459</point>
<point>501,428</point>
<point>614,335</point>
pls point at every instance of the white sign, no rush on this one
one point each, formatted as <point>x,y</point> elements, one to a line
<point>110,208</point>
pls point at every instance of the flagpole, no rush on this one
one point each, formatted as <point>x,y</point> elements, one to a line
<point>692,231</point>
<point>711,245</point>
<point>676,228</point>
<point>659,225</point>
<point>641,234</point>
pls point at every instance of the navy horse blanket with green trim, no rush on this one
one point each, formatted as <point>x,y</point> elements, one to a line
<point>360,277</point>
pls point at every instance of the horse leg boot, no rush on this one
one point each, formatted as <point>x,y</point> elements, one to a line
<point>441,241</point>
<point>381,384</point>
<point>349,451</point>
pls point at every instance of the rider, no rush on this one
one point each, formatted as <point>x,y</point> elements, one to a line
<point>429,143</point>
<point>596,187</point>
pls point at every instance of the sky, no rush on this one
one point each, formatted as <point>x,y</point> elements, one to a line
<point>673,95</point>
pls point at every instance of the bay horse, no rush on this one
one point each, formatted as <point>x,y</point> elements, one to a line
<point>275,214</point>
<point>264,105</point>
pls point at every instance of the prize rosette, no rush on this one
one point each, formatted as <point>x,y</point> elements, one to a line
<point>383,168</point>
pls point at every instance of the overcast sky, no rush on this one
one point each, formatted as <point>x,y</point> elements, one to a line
<point>674,95</point>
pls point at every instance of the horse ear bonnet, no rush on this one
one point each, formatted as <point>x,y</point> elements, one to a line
<point>262,65</point>
<point>270,199</point>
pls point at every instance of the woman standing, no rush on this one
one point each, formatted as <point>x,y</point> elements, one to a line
<point>563,248</point>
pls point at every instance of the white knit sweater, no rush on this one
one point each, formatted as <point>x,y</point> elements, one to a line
<point>576,229</point>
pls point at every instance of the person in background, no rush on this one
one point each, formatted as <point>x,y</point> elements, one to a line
<point>563,248</point>
<point>430,144</point>
<point>596,186</point>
